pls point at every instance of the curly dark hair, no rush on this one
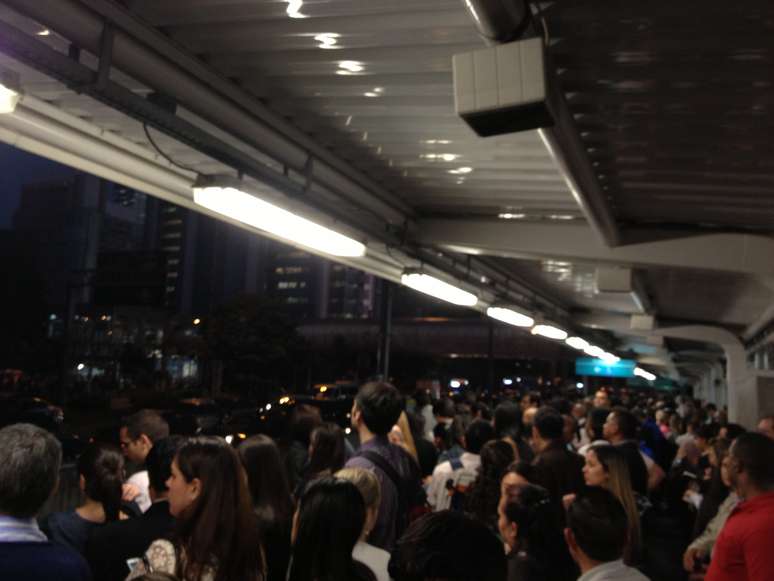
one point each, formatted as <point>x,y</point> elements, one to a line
<point>484,494</point>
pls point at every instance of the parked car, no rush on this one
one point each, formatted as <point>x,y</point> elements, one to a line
<point>195,416</point>
<point>273,418</point>
<point>30,409</point>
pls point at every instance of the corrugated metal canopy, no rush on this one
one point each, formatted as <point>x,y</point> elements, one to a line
<point>674,103</point>
<point>393,117</point>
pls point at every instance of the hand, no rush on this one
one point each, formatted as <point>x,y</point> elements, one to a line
<point>130,492</point>
<point>690,558</point>
<point>567,500</point>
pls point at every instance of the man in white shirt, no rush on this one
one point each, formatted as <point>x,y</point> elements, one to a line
<point>455,476</point>
<point>596,536</point>
<point>139,432</point>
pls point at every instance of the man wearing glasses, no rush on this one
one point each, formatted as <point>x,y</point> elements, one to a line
<point>137,436</point>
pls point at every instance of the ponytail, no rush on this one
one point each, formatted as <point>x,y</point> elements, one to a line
<point>102,468</point>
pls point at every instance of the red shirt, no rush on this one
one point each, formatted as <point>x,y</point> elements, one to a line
<point>744,550</point>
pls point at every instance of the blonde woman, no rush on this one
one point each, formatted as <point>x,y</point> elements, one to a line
<point>400,435</point>
<point>606,467</point>
<point>366,482</point>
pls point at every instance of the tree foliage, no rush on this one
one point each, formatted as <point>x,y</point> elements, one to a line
<point>254,338</point>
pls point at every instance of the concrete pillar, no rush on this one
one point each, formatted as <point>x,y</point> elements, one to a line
<point>742,397</point>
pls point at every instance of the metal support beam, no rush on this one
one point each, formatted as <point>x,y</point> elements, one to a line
<point>739,253</point>
<point>490,357</point>
<point>385,330</point>
<point>105,56</point>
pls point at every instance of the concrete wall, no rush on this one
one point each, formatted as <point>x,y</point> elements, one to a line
<point>755,399</point>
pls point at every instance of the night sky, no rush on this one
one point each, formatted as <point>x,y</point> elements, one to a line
<point>18,167</point>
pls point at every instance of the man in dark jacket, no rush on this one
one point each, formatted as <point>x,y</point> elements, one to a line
<point>556,468</point>
<point>30,458</point>
<point>111,546</point>
<point>376,410</point>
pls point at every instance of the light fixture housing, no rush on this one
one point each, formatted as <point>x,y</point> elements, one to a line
<point>510,316</point>
<point>9,92</point>
<point>439,289</point>
<point>577,343</point>
<point>550,332</point>
<point>220,196</point>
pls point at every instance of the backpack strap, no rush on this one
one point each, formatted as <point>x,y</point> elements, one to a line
<point>380,462</point>
<point>456,463</point>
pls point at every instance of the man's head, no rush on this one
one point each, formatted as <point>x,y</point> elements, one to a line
<point>527,420</point>
<point>507,418</point>
<point>529,400</point>
<point>751,469</point>
<point>478,433</point>
<point>595,423</point>
<point>377,407</point>
<point>703,436</point>
<point>30,458</point>
<point>570,427</point>
<point>579,411</point>
<point>444,410</point>
<point>621,424</point>
<point>601,399</point>
<point>730,432</point>
<point>159,464</point>
<point>596,528</point>
<point>139,432</point>
<point>766,426</point>
<point>548,426</point>
<point>448,546</point>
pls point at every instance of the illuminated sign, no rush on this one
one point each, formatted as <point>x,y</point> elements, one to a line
<point>588,366</point>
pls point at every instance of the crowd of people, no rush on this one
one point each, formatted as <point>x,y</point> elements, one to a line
<point>539,486</point>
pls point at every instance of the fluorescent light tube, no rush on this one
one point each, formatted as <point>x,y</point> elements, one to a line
<point>8,99</point>
<point>264,216</point>
<point>610,358</point>
<point>594,351</point>
<point>549,332</point>
<point>294,9</point>
<point>439,289</point>
<point>577,343</point>
<point>644,374</point>
<point>510,316</point>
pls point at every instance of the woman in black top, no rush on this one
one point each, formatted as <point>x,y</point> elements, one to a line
<point>271,500</point>
<point>327,455</point>
<point>530,528</point>
<point>101,473</point>
<point>329,520</point>
<point>484,494</point>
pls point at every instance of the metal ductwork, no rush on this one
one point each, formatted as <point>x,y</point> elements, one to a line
<point>499,21</point>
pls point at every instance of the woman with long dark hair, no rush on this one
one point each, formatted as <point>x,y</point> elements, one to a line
<point>216,537</point>
<point>484,494</point>
<point>529,525</point>
<point>327,455</point>
<point>101,473</point>
<point>271,498</point>
<point>328,523</point>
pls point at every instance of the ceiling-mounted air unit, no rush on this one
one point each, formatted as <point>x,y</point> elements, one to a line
<point>504,88</point>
